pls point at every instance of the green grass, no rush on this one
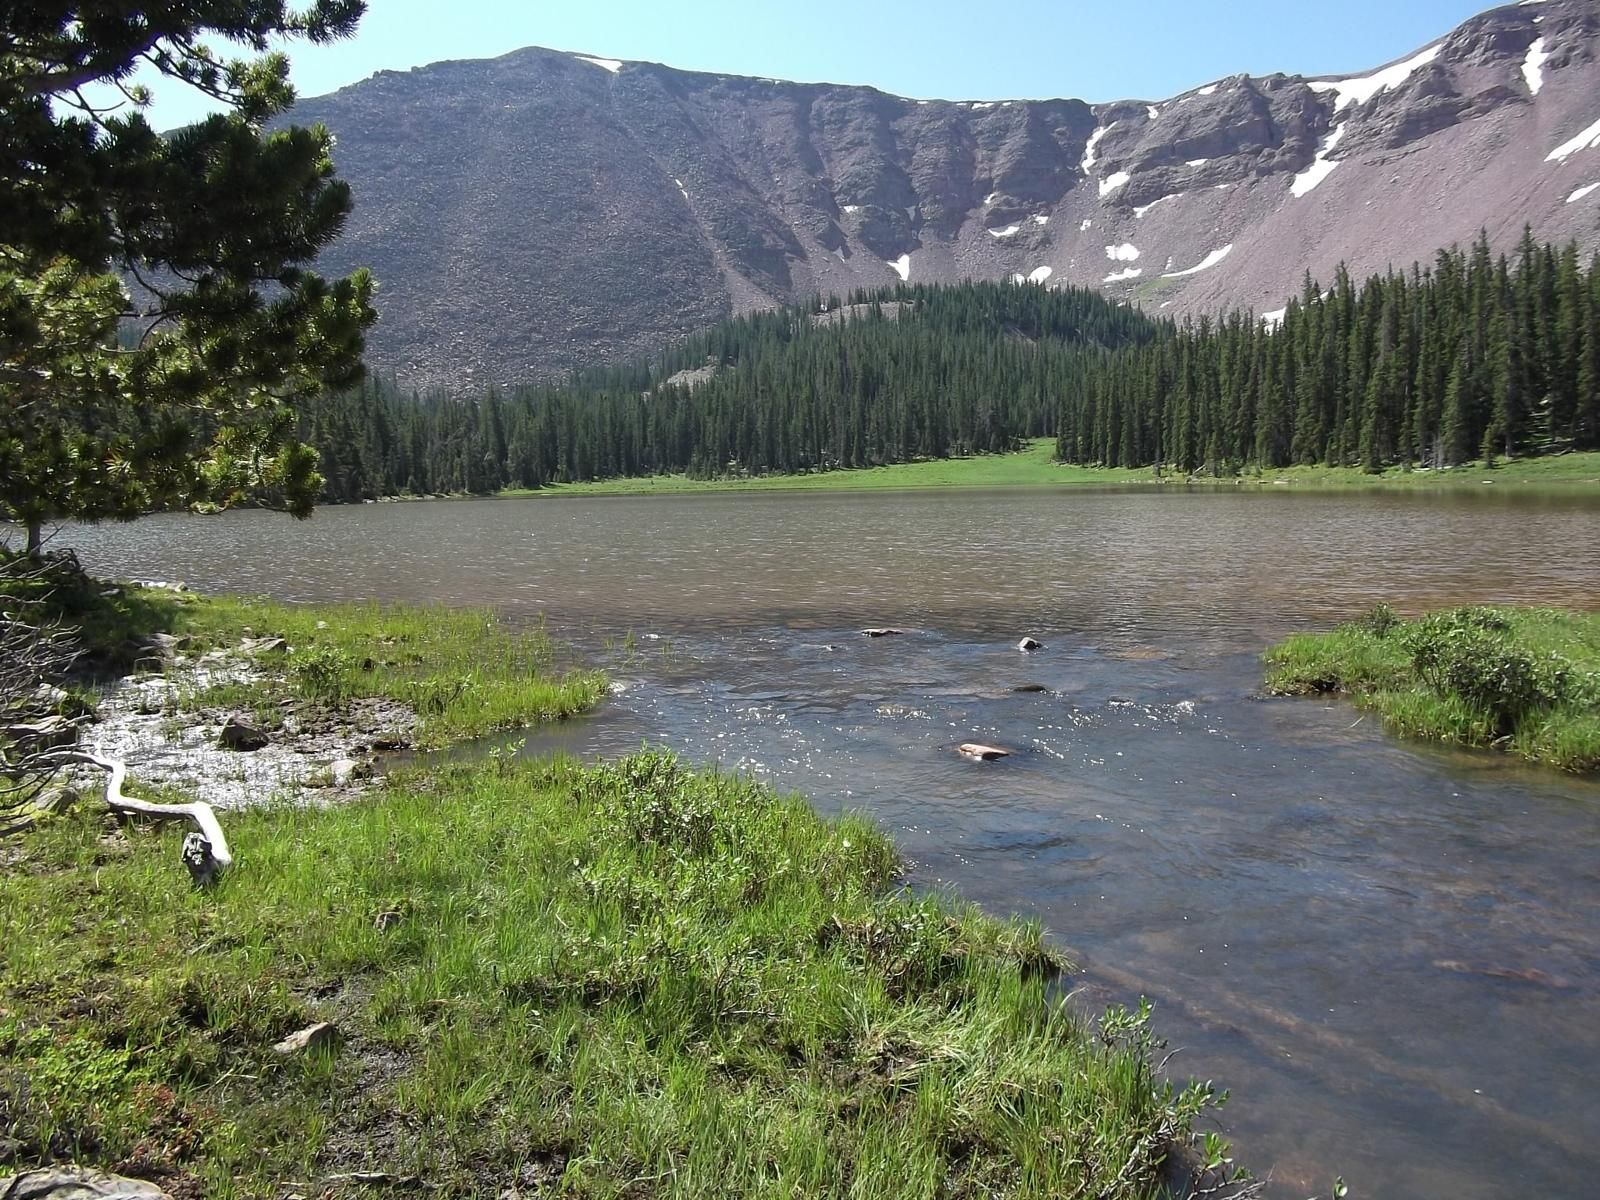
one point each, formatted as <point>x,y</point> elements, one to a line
<point>1033,467</point>
<point>1522,680</point>
<point>461,670</point>
<point>628,981</point>
<point>1036,467</point>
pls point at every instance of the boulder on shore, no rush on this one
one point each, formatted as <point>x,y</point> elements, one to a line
<point>239,734</point>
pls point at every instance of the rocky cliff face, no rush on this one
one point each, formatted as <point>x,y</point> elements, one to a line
<point>544,210</point>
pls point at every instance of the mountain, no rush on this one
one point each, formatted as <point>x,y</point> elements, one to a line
<point>544,210</point>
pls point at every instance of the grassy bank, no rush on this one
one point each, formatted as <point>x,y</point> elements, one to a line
<point>625,981</point>
<point>462,671</point>
<point>1035,467</point>
<point>1522,680</point>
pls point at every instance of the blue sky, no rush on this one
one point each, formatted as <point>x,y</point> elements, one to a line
<point>949,49</point>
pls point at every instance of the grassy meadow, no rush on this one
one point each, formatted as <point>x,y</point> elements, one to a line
<point>1035,466</point>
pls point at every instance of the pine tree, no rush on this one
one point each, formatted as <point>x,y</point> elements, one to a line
<point>217,222</point>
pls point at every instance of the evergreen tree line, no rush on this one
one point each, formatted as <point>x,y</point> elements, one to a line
<point>880,377</point>
<point>1475,355</point>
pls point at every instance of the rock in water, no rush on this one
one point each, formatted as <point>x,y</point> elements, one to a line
<point>1029,643</point>
<point>239,734</point>
<point>983,753</point>
<point>878,633</point>
<point>71,1183</point>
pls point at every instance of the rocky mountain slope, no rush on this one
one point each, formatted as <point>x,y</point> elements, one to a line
<point>545,210</point>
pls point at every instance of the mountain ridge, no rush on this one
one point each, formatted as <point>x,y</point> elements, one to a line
<point>545,210</point>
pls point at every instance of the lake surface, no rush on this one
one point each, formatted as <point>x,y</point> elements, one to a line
<point>1391,955</point>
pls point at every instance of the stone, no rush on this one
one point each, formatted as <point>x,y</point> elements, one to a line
<point>51,696</point>
<point>345,771</point>
<point>264,645</point>
<point>324,1035</point>
<point>49,732</point>
<point>239,734</point>
<point>72,1183</point>
<point>882,632</point>
<point>977,750</point>
<point>1030,689</point>
<point>1028,643</point>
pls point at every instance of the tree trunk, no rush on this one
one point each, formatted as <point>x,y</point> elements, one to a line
<point>35,539</point>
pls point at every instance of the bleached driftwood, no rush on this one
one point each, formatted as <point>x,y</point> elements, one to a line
<point>205,852</point>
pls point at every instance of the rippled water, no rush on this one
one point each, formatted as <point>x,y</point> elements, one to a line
<point>1390,954</point>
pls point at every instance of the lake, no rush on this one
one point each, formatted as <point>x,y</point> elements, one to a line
<point>1390,954</point>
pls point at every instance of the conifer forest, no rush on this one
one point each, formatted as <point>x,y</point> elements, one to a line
<point>1469,357</point>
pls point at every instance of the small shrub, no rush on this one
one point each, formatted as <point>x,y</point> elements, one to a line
<point>1467,653</point>
<point>1380,621</point>
<point>323,673</point>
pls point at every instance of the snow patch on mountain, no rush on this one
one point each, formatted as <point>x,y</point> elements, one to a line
<point>1140,210</point>
<point>1364,88</point>
<point>1321,167</point>
<point>1112,182</point>
<point>902,267</point>
<point>1008,231</point>
<point>1587,140</point>
<point>1126,252</point>
<point>1582,192</point>
<point>1205,264</point>
<point>1087,164</point>
<point>1533,65</point>
<point>1120,276</point>
<point>605,64</point>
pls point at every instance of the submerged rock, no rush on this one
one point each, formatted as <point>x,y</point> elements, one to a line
<point>982,753</point>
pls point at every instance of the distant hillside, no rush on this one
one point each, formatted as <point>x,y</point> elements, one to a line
<point>545,210</point>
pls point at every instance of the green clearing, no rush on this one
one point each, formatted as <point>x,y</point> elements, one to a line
<point>624,981</point>
<point>1521,680</point>
<point>1036,467</point>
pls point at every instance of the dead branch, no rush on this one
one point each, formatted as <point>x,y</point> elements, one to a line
<point>205,852</point>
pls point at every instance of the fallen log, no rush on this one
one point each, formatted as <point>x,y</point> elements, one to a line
<point>205,852</point>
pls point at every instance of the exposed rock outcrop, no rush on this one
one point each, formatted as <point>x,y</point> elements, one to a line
<point>545,210</point>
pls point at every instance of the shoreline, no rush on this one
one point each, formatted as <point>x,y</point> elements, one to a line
<point>536,966</point>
